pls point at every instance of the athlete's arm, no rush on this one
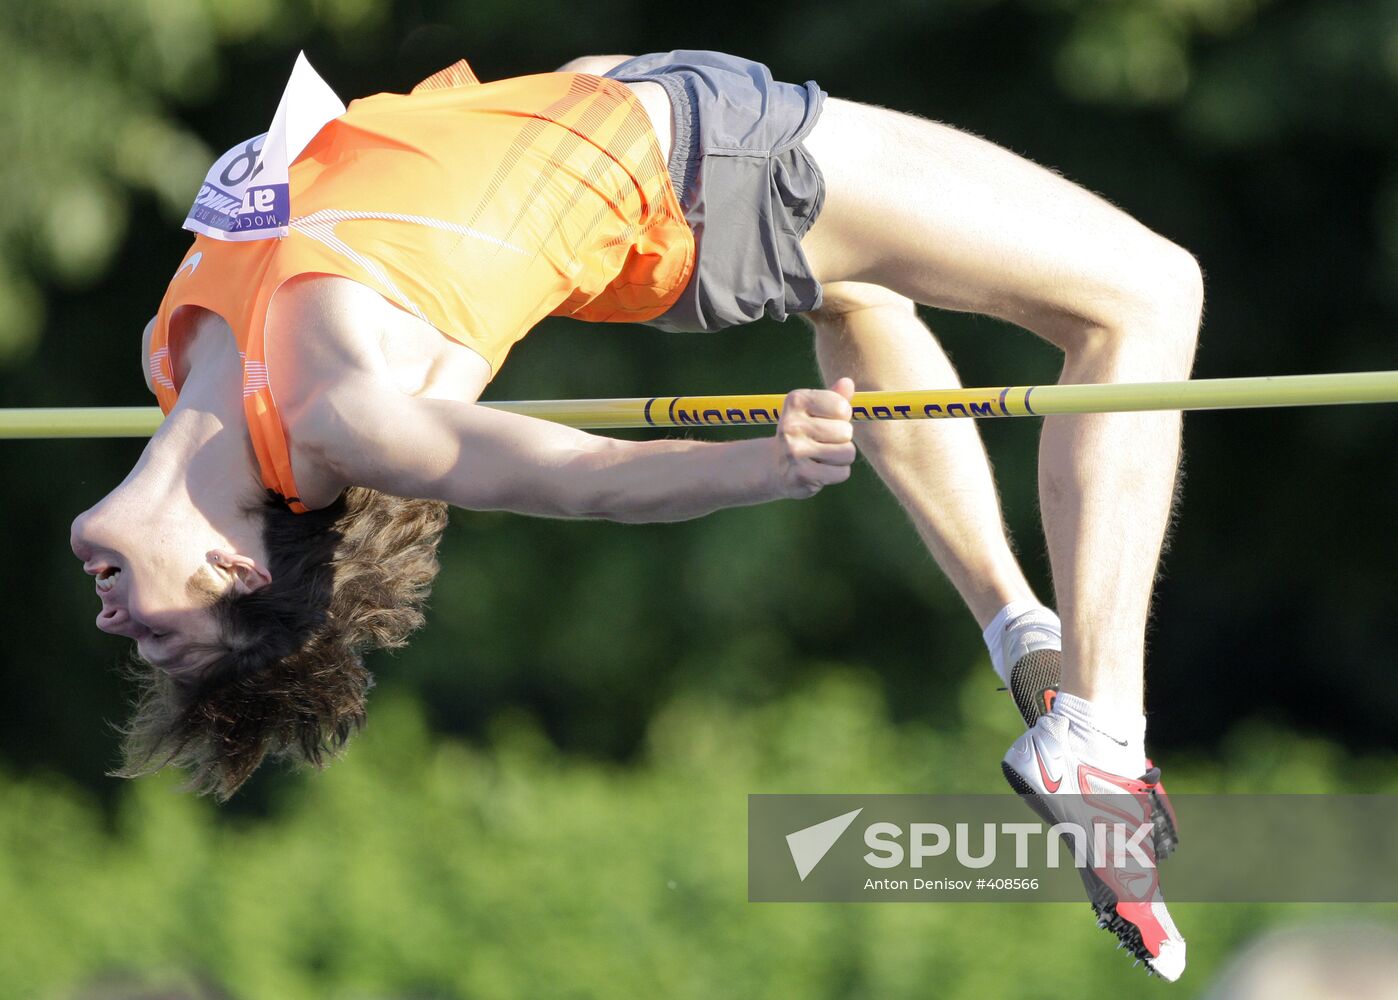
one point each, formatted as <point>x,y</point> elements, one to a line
<point>474,457</point>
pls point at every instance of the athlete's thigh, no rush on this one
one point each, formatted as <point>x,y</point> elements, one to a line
<point>954,221</point>
<point>596,65</point>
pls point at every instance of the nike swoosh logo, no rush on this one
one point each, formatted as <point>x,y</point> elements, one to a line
<point>1120,743</point>
<point>192,263</point>
<point>1049,783</point>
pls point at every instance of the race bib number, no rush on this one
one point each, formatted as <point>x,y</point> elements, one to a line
<point>246,194</point>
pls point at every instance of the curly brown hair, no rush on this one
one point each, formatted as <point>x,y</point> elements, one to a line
<point>286,677</point>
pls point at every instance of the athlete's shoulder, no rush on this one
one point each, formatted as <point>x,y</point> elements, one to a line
<point>321,330</point>
<point>331,318</point>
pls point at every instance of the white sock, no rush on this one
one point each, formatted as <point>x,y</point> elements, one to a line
<point>1026,619</point>
<point>1115,740</point>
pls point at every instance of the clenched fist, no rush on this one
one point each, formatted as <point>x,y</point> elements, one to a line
<point>815,439</point>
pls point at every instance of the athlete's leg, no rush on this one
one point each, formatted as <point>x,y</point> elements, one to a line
<point>596,65</point>
<point>936,468</point>
<point>947,219</point>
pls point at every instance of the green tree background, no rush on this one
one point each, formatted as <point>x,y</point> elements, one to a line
<point>549,800</point>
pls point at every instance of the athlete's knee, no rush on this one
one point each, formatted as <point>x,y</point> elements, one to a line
<point>1153,312</point>
<point>594,65</point>
<point>1177,285</point>
<point>842,299</point>
<point>1172,306</point>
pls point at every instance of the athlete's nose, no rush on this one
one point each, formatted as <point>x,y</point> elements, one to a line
<point>96,536</point>
<point>77,537</point>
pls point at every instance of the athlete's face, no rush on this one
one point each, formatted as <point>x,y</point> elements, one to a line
<point>157,575</point>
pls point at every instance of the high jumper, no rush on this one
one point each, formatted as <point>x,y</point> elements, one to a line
<point>320,382</point>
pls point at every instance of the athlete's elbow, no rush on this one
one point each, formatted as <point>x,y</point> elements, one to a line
<point>584,486</point>
<point>577,505</point>
<point>604,509</point>
<point>606,495</point>
<point>595,499</point>
<point>640,506</point>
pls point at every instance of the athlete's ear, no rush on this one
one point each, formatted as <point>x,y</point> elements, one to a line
<point>245,573</point>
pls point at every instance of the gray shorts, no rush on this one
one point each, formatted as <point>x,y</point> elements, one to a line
<point>748,187</point>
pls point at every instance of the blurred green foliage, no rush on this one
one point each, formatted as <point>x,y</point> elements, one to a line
<point>92,91</point>
<point>421,867</point>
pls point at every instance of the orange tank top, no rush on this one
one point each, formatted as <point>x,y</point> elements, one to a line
<point>479,208</point>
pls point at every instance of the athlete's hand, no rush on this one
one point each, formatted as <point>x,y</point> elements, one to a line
<point>815,439</point>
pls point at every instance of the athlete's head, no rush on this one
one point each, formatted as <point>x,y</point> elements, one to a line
<point>254,647</point>
<point>161,556</point>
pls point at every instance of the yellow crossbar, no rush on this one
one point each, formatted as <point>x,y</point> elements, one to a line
<point>714,411</point>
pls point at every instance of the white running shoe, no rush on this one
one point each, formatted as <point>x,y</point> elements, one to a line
<point>1065,787</point>
<point>1032,645</point>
